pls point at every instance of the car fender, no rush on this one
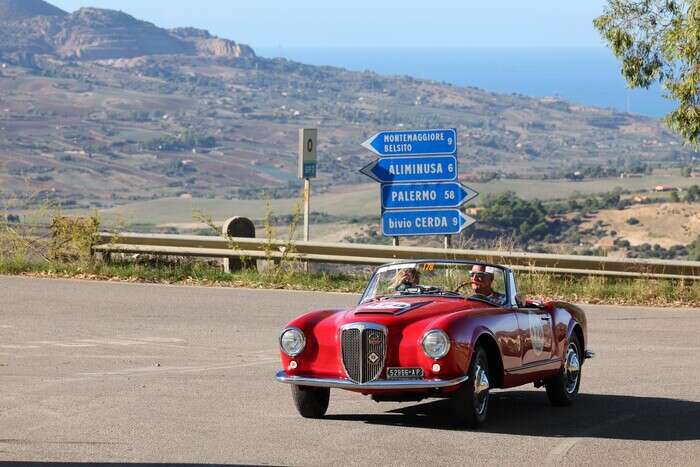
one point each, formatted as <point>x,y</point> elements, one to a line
<point>465,329</point>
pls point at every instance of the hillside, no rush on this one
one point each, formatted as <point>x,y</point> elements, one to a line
<point>22,9</point>
<point>98,108</point>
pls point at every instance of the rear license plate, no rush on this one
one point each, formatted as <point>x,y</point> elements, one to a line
<point>404,373</point>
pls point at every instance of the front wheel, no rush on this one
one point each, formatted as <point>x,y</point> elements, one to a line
<point>563,389</point>
<point>471,402</point>
<point>311,402</point>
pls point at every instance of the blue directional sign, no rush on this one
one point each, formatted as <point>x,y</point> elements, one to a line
<point>412,169</point>
<point>425,195</point>
<point>424,222</point>
<point>413,143</point>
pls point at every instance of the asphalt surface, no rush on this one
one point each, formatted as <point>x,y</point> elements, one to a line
<point>109,372</point>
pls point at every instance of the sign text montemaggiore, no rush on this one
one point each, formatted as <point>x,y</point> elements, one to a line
<point>413,143</point>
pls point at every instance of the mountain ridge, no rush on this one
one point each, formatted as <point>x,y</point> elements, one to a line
<point>22,9</point>
<point>38,27</point>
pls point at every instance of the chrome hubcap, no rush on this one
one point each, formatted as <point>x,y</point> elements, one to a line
<point>572,369</point>
<point>481,389</point>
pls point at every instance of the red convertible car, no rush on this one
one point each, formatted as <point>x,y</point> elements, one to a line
<point>450,329</point>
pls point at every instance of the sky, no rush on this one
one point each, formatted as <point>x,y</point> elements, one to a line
<point>374,23</point>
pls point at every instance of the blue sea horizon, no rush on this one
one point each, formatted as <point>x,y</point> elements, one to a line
<point>588,76</point>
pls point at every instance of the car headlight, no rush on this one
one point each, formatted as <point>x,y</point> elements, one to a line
<point>292,341</point>
<point>436,344</point>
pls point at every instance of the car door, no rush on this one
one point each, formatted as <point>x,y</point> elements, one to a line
<point>536,335</point>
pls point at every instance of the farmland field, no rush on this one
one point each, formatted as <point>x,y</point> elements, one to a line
<point>363,200</point>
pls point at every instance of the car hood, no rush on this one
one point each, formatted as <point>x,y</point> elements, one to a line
<point>406,310</point>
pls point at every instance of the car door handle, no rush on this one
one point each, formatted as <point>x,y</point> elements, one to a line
<point>544,318</point>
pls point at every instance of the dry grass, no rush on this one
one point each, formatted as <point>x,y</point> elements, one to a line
<point>608,290</point>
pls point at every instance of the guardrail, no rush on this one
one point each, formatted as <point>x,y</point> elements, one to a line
<point>348,253</point>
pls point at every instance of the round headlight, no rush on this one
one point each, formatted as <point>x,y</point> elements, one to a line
<point>436,344</point>
<point>292,341</point>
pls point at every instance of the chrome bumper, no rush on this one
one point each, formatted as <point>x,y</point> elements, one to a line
<point>283,377</point>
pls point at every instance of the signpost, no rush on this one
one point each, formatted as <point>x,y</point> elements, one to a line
<point>412,169</point>
<point>413,143</point>
<point>308,158</point>
<point>425,195</point>
<point>420,193</point>
<point>424,222</point>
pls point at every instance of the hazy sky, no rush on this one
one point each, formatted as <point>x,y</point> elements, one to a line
<point>373,23</point>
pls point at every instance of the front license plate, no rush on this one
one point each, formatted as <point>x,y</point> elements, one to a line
<point>404,373</point>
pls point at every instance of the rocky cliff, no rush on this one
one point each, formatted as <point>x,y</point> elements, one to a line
<point>29,27</point>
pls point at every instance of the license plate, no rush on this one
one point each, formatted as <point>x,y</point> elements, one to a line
<point>404,373</point>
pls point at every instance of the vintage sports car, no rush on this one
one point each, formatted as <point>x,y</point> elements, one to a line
<point>451,329</point>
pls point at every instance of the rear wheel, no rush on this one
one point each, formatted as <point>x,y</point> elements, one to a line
<point>311,402</point>
<point>472,399</point>
<point>563,389</point>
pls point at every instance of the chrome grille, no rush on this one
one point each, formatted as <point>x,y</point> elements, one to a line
<point>363,347</point>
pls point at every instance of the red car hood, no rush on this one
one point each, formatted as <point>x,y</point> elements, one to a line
<point>407,310</point>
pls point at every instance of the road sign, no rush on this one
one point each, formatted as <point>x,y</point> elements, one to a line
<point>307,152</point>
<point>424,222</point>
<point>413,143</point>
<point>426,195</point>
<point>412,169</point>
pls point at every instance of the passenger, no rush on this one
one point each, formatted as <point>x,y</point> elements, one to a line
<point>405,279</point>
<point>482,280</point>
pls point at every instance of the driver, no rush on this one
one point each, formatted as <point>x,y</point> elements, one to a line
<point>481,281</point>
<point>405,279</point>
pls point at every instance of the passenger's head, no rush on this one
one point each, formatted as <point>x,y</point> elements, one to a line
<point>409,277</point>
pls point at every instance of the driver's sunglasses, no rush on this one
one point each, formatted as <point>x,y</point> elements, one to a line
<point>478,275</point>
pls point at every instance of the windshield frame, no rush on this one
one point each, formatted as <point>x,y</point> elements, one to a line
<point>508,277</point>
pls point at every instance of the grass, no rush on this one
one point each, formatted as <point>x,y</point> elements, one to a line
<point>185,273</point>
<point>610,290</point>
<point>592,289</point>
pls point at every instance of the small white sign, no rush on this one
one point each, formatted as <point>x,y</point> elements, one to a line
<point>307,152</point>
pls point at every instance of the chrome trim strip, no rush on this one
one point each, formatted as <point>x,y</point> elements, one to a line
<point>553,362</point>
<point>283,377</point>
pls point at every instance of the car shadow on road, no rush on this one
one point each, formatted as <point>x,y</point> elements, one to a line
<point>529,413</point>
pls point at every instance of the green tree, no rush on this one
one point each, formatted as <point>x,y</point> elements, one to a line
<point>693,194</point>
<point>694,250</point>
<point>659,41</point>
<point>508,212</point>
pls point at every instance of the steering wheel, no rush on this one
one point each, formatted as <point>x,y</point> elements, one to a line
<point>462,285</point>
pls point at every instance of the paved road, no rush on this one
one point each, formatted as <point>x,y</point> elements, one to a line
<point>142,373</point>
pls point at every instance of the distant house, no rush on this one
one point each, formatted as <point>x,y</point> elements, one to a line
<point>662,188</point>
<point>472,211</point>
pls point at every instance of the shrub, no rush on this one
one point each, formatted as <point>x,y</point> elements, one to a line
<point>73,238</point>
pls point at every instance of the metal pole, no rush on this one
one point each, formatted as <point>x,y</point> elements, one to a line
<point>448,242</point>
<point>307,201</point>
<point>395,241</point>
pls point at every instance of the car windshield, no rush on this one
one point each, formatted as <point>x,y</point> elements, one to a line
<point>453,279</point>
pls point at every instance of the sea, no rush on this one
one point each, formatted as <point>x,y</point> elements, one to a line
<point>588,76</point>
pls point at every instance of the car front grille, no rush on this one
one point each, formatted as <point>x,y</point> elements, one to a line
<point>363,350</point>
